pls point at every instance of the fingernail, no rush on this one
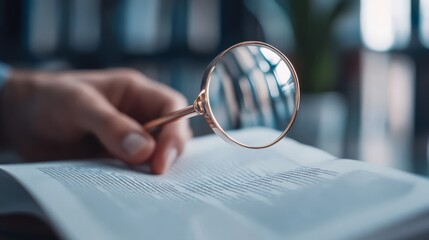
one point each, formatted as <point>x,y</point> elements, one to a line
<point>133,143</point>
<point>171,157</point>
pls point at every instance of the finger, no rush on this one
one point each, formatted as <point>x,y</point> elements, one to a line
<point>121,135</point>
<point>146,100</point>
<point>166,102</point>
<point>131,91</point>
<point>172,138</point>
<point>169,145</point>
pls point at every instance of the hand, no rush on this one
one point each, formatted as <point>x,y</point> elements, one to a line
<point>63,115</point>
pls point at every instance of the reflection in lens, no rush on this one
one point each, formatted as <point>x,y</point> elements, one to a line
<point>252,86</point>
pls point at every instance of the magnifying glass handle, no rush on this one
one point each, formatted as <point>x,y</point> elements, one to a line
<point>187,112</point>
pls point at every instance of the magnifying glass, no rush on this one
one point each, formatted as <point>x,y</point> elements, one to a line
<point>249,85</point>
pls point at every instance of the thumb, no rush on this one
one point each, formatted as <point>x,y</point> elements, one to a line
<point>121,135</point>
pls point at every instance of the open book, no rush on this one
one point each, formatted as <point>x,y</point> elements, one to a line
<point>218,191</point>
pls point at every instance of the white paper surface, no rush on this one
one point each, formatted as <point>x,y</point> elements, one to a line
<point>217,191</point>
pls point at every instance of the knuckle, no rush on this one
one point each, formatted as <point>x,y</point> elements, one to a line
<point>129,74</point>
<point>75,96</point>
<point>107,122</point>
<point>181,99</point>
<point>176,100</point>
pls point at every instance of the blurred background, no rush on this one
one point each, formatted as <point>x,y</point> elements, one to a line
<point>363,64</point>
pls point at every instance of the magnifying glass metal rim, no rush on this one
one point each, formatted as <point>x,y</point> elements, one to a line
<point>201,105</point>
<point>205,86</point>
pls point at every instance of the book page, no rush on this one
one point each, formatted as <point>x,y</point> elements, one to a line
<point>217,191</point>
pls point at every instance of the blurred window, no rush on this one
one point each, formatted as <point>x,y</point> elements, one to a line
<point>386,24</point>
<point>424,23</point>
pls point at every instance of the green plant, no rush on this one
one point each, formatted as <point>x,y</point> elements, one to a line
<point>315,55</point>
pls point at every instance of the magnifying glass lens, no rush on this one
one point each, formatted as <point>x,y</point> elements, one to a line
<point>252,86</point>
